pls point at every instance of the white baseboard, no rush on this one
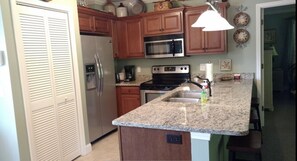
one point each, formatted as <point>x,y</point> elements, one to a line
<point>86,150</point>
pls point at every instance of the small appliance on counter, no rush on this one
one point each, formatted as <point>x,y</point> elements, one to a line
<point>129,73</point>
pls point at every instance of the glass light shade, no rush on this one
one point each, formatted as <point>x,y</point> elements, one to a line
<point>205,18</point>
<point>218,24</point>
<point>211,20</point>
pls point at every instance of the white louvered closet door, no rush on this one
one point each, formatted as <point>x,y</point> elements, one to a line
<point>48,84</point>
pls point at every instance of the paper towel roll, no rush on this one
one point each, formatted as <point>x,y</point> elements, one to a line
<point>209,71</point>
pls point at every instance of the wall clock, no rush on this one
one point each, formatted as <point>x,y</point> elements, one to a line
<point>241,19</point>
<point>241,36</point>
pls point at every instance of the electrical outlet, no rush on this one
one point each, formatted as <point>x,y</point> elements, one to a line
<point>202,67</point>
<point>174,139</point>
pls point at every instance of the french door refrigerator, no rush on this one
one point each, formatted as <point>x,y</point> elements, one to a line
<point>100,84</point>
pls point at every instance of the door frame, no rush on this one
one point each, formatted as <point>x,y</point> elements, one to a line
<point>260,46</point>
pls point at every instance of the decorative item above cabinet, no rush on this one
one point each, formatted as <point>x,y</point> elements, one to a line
<point>94,22</point>
<point>163,22</point>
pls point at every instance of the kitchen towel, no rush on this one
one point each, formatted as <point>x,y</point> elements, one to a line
<point>209,71</point>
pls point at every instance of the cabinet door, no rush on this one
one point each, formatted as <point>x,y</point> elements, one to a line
<point>130,38</point>
<point>94,22</point>
<point>86,22</point>
<point>122,39</point>
<point>214,41</point>
<point>198,41</point>
<point>172,22</point>
<point>102,25</point>
<point>193,35</point>
<point>48,85</point>
<point>129,103</point>
<point>135,38</point>
<point>152,25</point>
<point>114,38</point>
<point>128,98</point>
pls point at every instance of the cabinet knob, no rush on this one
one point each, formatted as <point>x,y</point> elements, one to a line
<point>160,29</point>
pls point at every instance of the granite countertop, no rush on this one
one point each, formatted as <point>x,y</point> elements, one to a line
<point>227,112</point>
<point>139,79</point>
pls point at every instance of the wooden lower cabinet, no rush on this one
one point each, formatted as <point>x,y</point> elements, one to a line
<point>128,98</point>
<point>151,144</point>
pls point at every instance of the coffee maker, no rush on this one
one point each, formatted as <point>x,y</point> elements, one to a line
<point>129,73</point>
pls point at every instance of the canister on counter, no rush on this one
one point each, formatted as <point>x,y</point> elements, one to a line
<point>236,76</point>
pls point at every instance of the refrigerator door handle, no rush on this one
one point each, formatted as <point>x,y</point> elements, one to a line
<point>98,77</point>
<point>102,75</point>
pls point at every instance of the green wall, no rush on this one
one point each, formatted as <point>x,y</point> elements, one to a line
<point>243,59</point>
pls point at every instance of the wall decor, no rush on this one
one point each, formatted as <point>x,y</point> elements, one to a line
<point>241,36</point>
<point>225,64</point>
<point>269,36</point>
<point>241,20</point>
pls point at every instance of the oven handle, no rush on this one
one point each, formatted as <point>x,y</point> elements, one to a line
<point>153,91</point>
<point>173,47</point>
<point>144,92</point>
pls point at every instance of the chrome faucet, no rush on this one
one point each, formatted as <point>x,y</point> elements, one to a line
<point>201,86</point>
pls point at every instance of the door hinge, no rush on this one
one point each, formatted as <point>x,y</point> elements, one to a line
<point>262,66</point>
<point>262,22</point>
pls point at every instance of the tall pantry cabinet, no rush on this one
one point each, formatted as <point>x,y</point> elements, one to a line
<point>47,77</point>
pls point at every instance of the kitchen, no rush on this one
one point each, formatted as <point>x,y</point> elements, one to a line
<point>243,60</point>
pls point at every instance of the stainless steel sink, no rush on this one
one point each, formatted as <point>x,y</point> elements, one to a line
<point>184,96</point>
<point>188,94</point>
<point>177,99</point>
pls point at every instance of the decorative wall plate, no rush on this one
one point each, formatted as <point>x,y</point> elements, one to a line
<point>241,36</point>
<point>241,19</point>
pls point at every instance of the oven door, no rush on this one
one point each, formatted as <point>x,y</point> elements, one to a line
<point>148,95</point>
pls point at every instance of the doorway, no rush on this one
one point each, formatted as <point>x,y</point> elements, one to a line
<point>279,52</point>
<point>260,47</point>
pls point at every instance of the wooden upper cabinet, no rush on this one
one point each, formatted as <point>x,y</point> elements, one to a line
<point>130,37</point>
<point>94,22</point>
<point>163,22</point>
<point>200,42</point>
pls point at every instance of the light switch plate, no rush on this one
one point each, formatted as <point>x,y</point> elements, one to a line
<point>2,59</point>
<point>202,67</point>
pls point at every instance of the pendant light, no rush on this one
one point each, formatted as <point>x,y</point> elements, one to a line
<point>211,20</point>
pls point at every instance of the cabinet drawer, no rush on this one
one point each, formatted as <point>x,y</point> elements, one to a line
<point>129,90</point>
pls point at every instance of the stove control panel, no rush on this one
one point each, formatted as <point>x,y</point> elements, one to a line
<point>170,69</point>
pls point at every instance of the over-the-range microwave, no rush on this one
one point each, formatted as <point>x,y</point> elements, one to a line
<point>164,46</point>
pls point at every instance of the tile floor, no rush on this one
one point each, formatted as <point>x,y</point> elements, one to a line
<point>105,149</point>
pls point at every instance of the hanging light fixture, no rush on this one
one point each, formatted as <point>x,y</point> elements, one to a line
<point>211,20</point>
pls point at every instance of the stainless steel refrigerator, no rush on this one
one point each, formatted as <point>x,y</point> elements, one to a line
<point>100,84</point>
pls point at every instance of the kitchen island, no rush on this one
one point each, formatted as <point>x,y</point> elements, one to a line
<point>226,113</point>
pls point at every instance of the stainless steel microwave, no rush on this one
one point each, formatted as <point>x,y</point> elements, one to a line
<point>164,46</point>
